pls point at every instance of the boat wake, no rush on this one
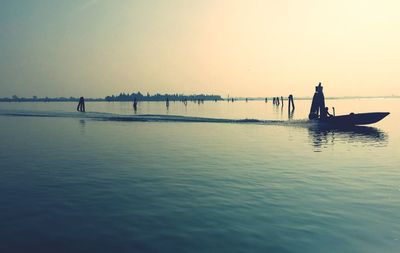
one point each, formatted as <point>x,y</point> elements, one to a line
<point>318,132</point>
<point>145,117</point>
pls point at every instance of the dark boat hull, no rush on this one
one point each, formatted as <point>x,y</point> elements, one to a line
<point>355,119</point>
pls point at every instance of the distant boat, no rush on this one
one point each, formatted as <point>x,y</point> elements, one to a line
<point>354,119</point>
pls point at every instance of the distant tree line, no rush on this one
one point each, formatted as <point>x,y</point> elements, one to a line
<point>160,97</point>
<point>121,97</point>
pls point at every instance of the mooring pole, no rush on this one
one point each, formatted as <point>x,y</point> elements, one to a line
<point>291,102</point>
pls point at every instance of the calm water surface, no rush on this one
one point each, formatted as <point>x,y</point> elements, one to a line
<point>79,184</point>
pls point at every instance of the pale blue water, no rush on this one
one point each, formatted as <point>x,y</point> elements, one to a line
<point>91,183</point>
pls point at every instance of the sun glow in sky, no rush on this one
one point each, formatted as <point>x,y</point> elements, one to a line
<point>238,47</point>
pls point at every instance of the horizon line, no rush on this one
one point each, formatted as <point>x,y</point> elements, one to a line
<point>99,99</point>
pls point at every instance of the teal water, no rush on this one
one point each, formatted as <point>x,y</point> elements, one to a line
<point>75,182</point>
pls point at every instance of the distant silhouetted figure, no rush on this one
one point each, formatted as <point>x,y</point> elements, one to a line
<point>232,100</point>
<point>81,105</point>
<point>167,102</point>
<point>247,100</point>
<point>266,100</point>
<point>282,100</point>
<point>135,104</point>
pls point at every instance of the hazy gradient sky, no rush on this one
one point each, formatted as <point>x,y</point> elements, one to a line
<point>242,48</point>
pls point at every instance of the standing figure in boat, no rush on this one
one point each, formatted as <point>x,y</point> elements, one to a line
<point>318,110</point>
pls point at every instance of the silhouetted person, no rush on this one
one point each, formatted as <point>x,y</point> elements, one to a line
<point>266,100</point>
<point>135,104</point>
<point>167,102</point>
<point>326,113</point>
<point>282,100</point>
<point>318,104</point>
<point>81,105</point>
<point>247,100</point>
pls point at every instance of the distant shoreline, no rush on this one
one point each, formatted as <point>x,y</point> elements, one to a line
<point>188,98</point>
<point>122,97</point>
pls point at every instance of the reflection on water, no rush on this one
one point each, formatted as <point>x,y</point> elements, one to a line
<point>82,126</point>
<point>290,113</point>
<point>322,135</point>
<point>148,182</point>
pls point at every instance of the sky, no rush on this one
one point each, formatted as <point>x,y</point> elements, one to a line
<point>253,48</point>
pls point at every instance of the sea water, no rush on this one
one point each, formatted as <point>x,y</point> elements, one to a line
<point>103,181</point>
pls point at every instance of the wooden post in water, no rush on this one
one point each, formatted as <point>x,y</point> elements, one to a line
<point>135,104</point>
<point>290,106</point>
<point>291,102</point>
<point>81,105</point>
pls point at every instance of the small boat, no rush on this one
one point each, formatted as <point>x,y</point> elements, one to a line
<point>354,119</point>
<point>319,113</point>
